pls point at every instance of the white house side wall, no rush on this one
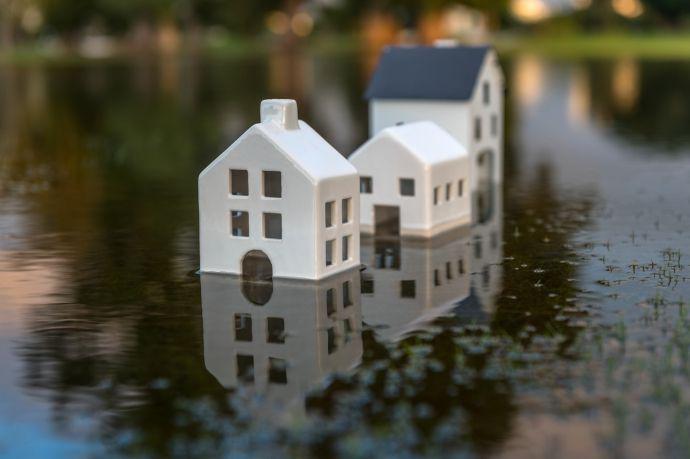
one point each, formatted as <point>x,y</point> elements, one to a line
<point>457,210</point>
<point>335,190</point>
<point>220,251</point>
<point>453,116</point>
<point>492,74</point>
<point>386,162</point>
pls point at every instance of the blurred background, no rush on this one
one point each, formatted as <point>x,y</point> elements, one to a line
<point>100,28</point>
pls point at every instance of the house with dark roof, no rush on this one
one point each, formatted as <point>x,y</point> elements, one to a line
<point>460,88</point>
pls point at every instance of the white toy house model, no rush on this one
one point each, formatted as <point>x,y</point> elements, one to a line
<point>280,201</point>
<point>460,88</point>
<point>413,181</point>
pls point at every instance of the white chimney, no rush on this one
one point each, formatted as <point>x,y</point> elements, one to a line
<point>280,111</point>
<point>446,43</point>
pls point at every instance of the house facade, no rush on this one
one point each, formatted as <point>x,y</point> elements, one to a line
<point>278,339</point>
<point>460,88</point>
<point>414,181</point>
<point>279,202</point>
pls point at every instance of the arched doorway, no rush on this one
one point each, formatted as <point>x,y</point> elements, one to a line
<point>485,166</point>
<point>256,266</point>
<point>257,277</point>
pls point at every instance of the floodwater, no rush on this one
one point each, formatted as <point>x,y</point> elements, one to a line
<point>556,326</point>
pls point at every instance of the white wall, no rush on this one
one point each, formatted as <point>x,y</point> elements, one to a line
<point>221,252</point>
<point>336,189</point>
<point>453,116</point>
<point>456,211</point>
<point>386,161</point>
<point>492,74</point>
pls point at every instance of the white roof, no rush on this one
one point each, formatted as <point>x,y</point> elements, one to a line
<point>427,141</point>
<point>308,150</point>
<point>304,147</point>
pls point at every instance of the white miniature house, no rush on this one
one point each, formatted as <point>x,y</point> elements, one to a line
<point>280,201</point>
<point>413,181</point>
<point>460,88</point>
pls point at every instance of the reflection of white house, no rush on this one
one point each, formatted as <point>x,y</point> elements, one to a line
<point>486,248</point>
<point>460,88</point>
<point>413,181</point>
<point>409,282</point>
<point>280,201</point>
<point>276,340</point>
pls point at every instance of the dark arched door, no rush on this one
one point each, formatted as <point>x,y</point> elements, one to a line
<point>257,266</point>
<point>257,277</point>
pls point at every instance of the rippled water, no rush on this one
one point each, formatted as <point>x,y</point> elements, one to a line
<point>555,326</point>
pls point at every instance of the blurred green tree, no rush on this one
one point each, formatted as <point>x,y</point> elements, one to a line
<point>672,11</point>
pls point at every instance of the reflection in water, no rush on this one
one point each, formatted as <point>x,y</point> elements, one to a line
<point>276,351</point>
<point>413,280</point>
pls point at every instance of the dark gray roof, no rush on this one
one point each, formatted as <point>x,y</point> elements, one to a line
<point>427,72</point>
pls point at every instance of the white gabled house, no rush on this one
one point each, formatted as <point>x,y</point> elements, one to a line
<point>280,201</point>
<point>413,181</point>
<point>460,88</point>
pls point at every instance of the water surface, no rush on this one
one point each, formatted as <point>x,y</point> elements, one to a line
<point>555,326</point>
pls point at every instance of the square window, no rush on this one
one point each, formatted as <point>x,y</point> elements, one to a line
<point>330,302</point>
<point>273,226</point>
<point>243,327</point>
<point>366,185</point>
<point>346,209</point>
<point>273,187</point>
<point>275,330</point>
<point>449,271</point>
<point>331,340</point>
<point>330,210</point>
<point>494,125</point>
<point>460,187</point>
<point>240,223</point>
<point>406,187</point>
<point>245,368</point>
<point>367,284</point>
<point>487,93</point>
<point>448,189</point>
<point>277,371</point>
<point>329,252</point>
<point>347,294</point>
<point>477,129</point>
<point>437,277</point>
<point>437,191</point>
<point>346,247</point>
<point>408,289</point>
<point>239,182</point>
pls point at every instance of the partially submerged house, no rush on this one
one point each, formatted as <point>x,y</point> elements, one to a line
<point>414,181</point>
<point>460,88</point>
<point>280,201</point>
